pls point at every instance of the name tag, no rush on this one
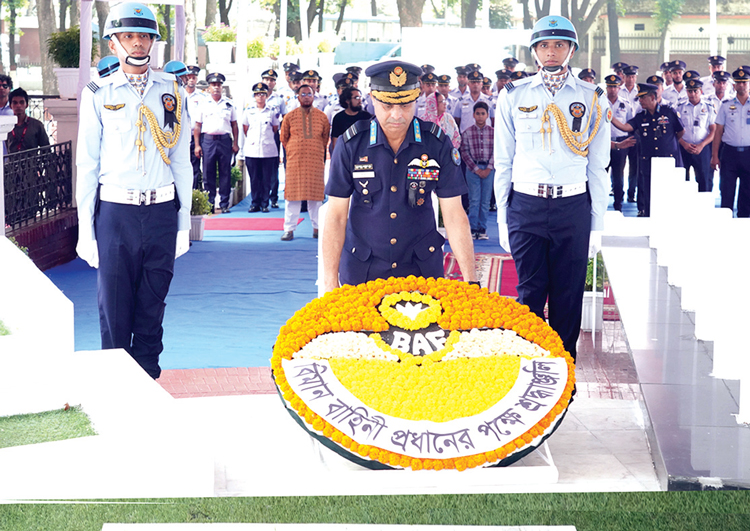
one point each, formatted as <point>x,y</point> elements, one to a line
<point>527,115</point>
<point>363,174</point>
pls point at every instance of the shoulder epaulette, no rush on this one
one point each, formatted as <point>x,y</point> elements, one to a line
<point>93,87</point>
<point>352,132</point>
<point>437,131</point>
<point>599,91</point>
<point>509,86</point>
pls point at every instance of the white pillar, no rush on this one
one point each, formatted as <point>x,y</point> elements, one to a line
<point>713,30</point>
<point>66,114</point>
<point>283,15</point>
<point>6,126</point>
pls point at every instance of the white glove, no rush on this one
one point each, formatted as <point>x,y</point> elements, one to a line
<point>595,242</point>
<point>88,251</point>
<point>183,243</point>
<point>503,236</point>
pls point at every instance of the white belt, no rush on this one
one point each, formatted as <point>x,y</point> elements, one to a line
<point>553,191</point>
<point>123,196</point>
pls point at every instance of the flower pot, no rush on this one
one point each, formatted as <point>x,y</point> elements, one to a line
<point>220,53</point>
<point>587,309</point>
<point>67,82</point>
<point>197,226</point>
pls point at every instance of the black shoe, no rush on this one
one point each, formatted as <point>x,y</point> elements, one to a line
<point>274,205</point>
<point>253,209</point>
<point>287,236</point>
<point>225,210</point>
<point>315,233</point>
<point>641,214</point>
<point>493,208</point>
<point>631,199</point>
<point>265,210</point>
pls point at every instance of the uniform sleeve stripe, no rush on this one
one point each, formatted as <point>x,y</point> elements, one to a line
<point>599,91</point>
<point>350,133</point>
<point>93,87</point>
<point>509,86</point>
<point>436,130</point>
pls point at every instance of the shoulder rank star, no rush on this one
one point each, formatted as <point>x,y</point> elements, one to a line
<point>116,107</point>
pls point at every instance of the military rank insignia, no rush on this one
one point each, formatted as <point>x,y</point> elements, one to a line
<point>114,107</point>
<point>423,169</point>
<point>609,115</point>
<point>577,110</point>
<point>170,104</point>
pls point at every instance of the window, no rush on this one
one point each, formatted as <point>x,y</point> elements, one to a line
<point>640,27</point>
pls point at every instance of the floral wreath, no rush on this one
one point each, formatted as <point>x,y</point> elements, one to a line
<point>369,307</point>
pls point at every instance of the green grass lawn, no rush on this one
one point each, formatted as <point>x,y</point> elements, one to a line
<point>4,329</point>
<point>57,425</point>
<point>661,511</point>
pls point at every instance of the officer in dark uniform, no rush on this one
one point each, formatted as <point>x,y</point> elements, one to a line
<point>380,221</point>
<point>587,74</point>
<point>657,129</point>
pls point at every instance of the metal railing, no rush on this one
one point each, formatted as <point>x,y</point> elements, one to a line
<point>38,184</point>
<point>37,110</point>
<point>648,43</point>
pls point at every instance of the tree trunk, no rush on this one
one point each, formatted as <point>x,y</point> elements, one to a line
<point>662,42</point>
<point>12,37</point>
<point>340,20</point>
<point>102,10</point>
<point>374,8</point>
<point>614,32</point>
<point>542,10</point>
<point>75,13</point>
<point>210,12</point>
<point>469,13</point>
<point>2,66</point>
<point>311,11</point>
<point>582,21</point>
<point>168,24</point>
<point>527,22</point>
<point>321,10</point>
<point>45,13</point>
<point>191,37</point>
<point>224,11</point>
<point>410,13</point>
<point>63,13</point>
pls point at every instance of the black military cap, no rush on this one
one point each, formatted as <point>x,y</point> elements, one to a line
<point>310,74</point>
<point>215,78</point>
<point>612,80</point>
<point>343,82</point>
<point>445,79</point>
<point>296,76</point>
<point>429,78</point>
<point>270,73</point>
<point>587,72</point>
<point>619,66</point>
<point>510,63</point>
<point>503,73</point>
<point>394,82</point>
<point>677,65</point>
<point>461,71</point>
<point>664,66</point>
<point>630,70</point>
<point>352,76</point>
<point>716,60</point>
<point>202,84</point>
<point>741,74</point>
<point>520,74</point>
<point>194,69</point>
<point>486,82</point>
<point>290,67</point>
<point>472,67</point>
<point>357,70</point>
<point>428,69</point>
<point>260,88</point>
<point>337,76</point>
<point>693,84</point>
<point>721,75</point>
<point>646,88</point>
<point>655,80</point>
<point>691,74</point>
<point>475,75</point>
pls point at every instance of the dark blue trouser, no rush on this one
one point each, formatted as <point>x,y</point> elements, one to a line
<point>701,162</point>
<point>617,158</point>
<point>261,171</point>
<point>633,178</point>
<point>136,264</point>
<point>217,148</point>
<point>196,163</point>
<point>549,240</point>
<point>273,194</point>
<point>735,164</point>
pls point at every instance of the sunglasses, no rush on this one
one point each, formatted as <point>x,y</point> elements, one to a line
<point>306,94</point>
<point>4,85</point>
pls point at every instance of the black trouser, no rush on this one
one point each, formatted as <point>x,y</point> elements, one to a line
<point>196,163</point>
<point>217,148</point>
<point>734,164</point>
<point>701,162</point>
<point>261,171</point>
<point>136,263</point>
<point>633,178</point>
<point>617,158</point>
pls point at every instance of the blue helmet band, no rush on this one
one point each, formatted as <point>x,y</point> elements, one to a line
<point>133,22</point>
<point>551,33</point>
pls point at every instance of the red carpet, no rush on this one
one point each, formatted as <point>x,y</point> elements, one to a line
<point>225,223</point>
<point>497,273</point>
